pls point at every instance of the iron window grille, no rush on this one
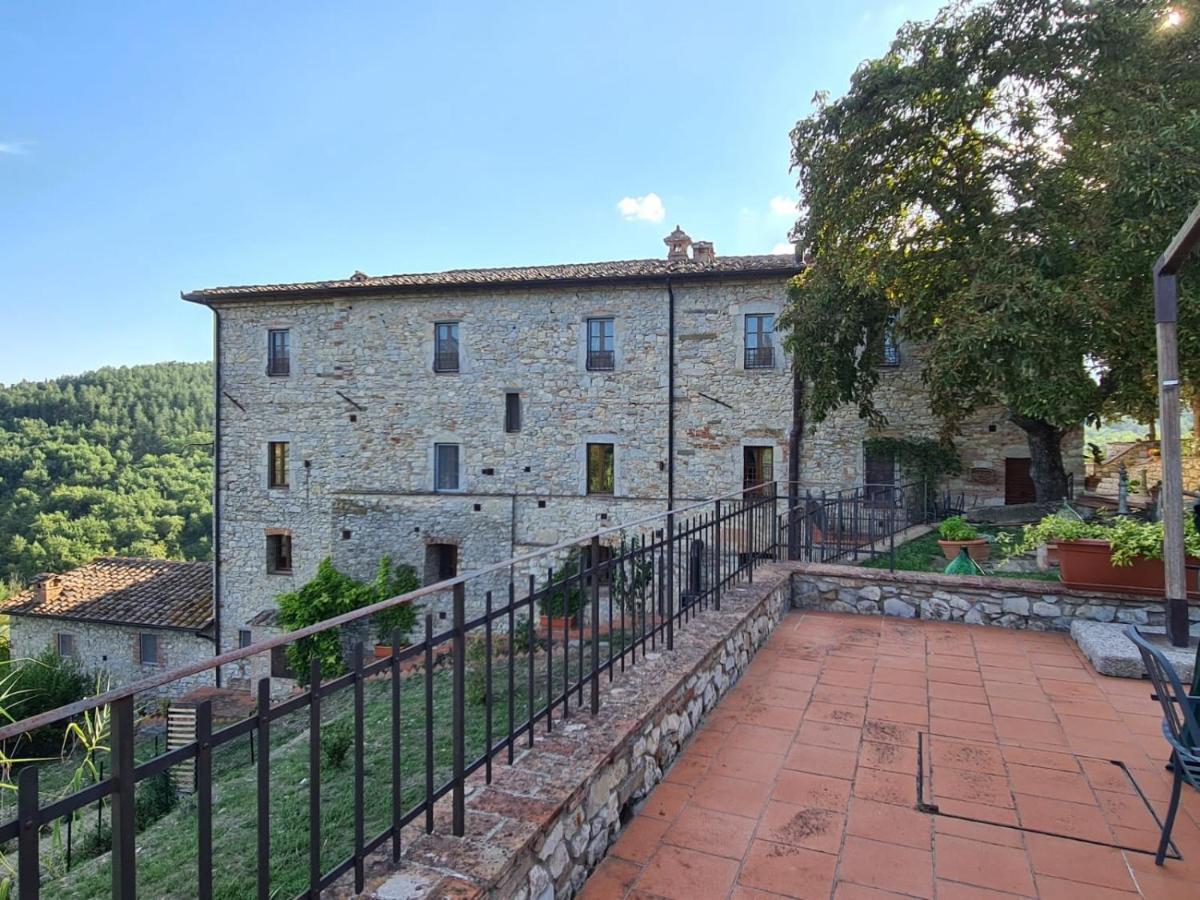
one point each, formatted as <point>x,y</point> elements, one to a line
<point>148,654</point>
<point>245,639</point>
<point>512,413</point>
<point>279,554</point>
<point>445,347</point>
<point>759,342</point>
<point>277,464</point>
<point>279,352</point>
<point>445,467</point>
<point>600,468</point>
<point>600,353</point>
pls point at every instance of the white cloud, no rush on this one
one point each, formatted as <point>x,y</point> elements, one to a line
<point>13,148</point>
<point>647,209</point>
<point>783,249</point>
<point>782,206</point>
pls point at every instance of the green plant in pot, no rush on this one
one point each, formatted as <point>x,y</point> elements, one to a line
<point>956,533</point>
<point>563,598</point>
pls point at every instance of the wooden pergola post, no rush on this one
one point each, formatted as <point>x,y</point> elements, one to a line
<point>1166,315</point>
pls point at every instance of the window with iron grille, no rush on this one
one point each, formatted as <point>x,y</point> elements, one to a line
<point>148,649</point>
<point>758,466</point>
<point>245,639</point>
<point>279,352</point>
<point>445,467</point>
<point>64,645</point>
<point>891,347</point>
<point>445,347</point>
<point>600,469</point>
<point>512,413</point>
<point>279,554</point>
<point>600,354</point>
<point>277,464</point>
<point>760,346</point>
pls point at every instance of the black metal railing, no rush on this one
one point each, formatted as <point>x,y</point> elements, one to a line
<point>502,673</point>
<point>760,357</point>
<point>600,360</point>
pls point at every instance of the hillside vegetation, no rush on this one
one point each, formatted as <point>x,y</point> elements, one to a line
<point>112,462</point>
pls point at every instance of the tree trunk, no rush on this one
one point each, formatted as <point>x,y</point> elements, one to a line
<point>1045,457</point>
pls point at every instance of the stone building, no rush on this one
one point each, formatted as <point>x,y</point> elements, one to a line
<point>124,617</point>
<point>454,419</point>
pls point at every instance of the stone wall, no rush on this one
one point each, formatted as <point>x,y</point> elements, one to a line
<point>1008,602</point>
<point>362,409</point>
<point>545,822</point>
<point>111,649</point>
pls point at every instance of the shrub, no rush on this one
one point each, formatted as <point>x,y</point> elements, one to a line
<point>1128,538</point>
<point>476,682</point>
<point>155,798</point>
<point>563,598</point>
<point>43,683</point>
<point>336,740</point>
<point>392,583</point>
<point>520,635</point>
<point>956,528</point>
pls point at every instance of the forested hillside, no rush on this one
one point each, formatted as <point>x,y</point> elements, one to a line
<point>111,462</point>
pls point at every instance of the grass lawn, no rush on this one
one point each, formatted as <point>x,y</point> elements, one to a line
<point>924,555</point>
<point>167,848</point>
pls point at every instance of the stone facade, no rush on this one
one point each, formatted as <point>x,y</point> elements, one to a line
<point>362,409</point>
<point>1008,602</point>
<point>112,649</point>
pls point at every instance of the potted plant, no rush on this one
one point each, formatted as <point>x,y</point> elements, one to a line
<point>391,582</point>
<point>956,533</point>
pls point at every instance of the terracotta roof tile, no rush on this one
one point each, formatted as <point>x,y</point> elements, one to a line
<point>125,590</point>
<point>766,265</point>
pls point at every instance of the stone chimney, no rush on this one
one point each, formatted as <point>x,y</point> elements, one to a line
<point>677,244</point>
<point>47,588</point>
<point>703,252</point>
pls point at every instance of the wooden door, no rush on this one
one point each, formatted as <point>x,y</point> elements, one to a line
<point>1018,484</point>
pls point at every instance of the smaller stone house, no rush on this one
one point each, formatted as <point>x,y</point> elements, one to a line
<point>125,617</point>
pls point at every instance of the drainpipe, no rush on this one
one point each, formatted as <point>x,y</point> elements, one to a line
<point>795,445</point>
<point>670,397</point>
<point>216,489</point>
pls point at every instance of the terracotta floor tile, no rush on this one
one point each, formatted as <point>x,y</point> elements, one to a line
<point>1040,782</point>
<point>988,866</point>
<point>891,711</point>
<point>820,760</point>
<point>977,831</point>
<point>890,732</point>
<point>911,677</point>
<point>889,824</point>
<point>838,715</point>
<point>974,787</point>
<point>732,795</point>
<point>1009,676</point>
<point>1084,727</point>
<point>889,757</point>
<point>847,891</point>
<point>1059,889</point>
<point>954,676</point>
<point>741,892</point>
<point>1166,882</point>
<point>1046,759</point>
<point>970,756</point>
<point>842,696</point>
<point>941,690</point>
<point>1094,709</point>
<point>1075,820</point>
<point>680,874</point>
<point>955,709</point>
<point>665,801</point>
<point>1079,862</point>
<point>953,890</point>
<point>709,831</point>
<point>980,732</point>
<point>1022,709</point>
<point>806,789</point>
<point>1007,690</point>
<point>640,839</point>
<point>886,787</point>
<point>706,743</point>
<point>753,765</point>
<point>1025,732</point>
<point>612,878</point>
<point>788,698</point>
<point>841,678</point>
<point>898,693</point>
<point>789,871</point>
<point>801,826</point>
<point>823,734</point>
<point>993,815</point>
<point>778,717</point>
<point>688,769</point>
<point>887,866</point>
<point>756,737</point>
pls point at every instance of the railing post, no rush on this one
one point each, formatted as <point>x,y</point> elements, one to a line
<point>314,777</point>
<point>596,624</point>
<point>671,581</point>
<point>204,798</point>
<point>717,545</point>
<point>264,788</point>
<point>29,874</point>
<point>359,771</point>
<point>397,731</point>
<point>775,520</point>
<point>124,850</point>
<point>459,721</point>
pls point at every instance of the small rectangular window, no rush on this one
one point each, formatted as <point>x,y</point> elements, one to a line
<point>445,467</point>
<point>512,413</point>
<point>148,649</point>
<point>600,468</point>
<point>279,352</point>
<point>64,645</point>
<point>445,349</point>
<point>245,639</point>
<point>279,554</point>
<point>758,467</point>
<point>600,354</point>
<point>277,464</point>
<point>891,347</point>
<point>760,342</point>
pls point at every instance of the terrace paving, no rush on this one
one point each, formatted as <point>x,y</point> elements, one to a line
<point>804,780</point>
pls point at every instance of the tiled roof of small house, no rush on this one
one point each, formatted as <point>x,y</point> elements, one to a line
<point>153,593</point>
<point>761,266</point>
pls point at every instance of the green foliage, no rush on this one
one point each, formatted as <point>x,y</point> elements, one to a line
<point>336,741</point>
<point>520,638</point>
<point>43,683</point>
<point>923,460</point>
<point>154,799</point>
<point>630,575</point>
<point>389,583</point>
<point>113,462</point>
<point>1128,538</point>
<point>329,594</point>
<point>563,598</point>
<point>475,686</point>
<point>1000,181</point>
<point>956,528</point>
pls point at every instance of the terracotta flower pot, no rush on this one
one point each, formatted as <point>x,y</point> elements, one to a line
<point>978,549</point>
<point>558,623</point>
<point>383,651</point>
<point>1087,564</point>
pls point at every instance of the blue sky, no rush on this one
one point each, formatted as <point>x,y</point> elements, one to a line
<point>149,148</point>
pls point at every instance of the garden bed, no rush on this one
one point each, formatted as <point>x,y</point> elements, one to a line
<point>923,554</point>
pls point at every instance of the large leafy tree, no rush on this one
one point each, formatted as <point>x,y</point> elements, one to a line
<point>997,186</point>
